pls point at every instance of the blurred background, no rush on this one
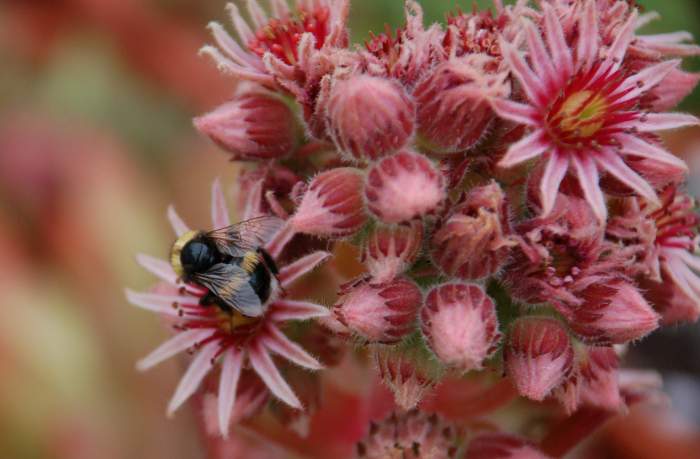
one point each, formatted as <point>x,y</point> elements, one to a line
<point>96,98</point>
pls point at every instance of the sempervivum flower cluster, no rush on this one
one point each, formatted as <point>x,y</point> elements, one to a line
<point>500,180</point>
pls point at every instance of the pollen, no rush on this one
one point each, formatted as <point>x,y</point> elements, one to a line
<point>578,117</point>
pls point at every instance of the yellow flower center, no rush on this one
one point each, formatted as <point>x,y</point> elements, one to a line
<point>580,116</point>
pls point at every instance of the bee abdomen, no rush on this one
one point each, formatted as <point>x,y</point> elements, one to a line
<point>260,280</point>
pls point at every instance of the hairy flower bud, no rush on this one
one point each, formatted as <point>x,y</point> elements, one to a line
<point>390,250</point>
<point>410,435</point>
<point>332,205</point>
<point>460,325</point>
<point>598,385</point>
<point>453,111</point>
<point>614,312</point>
<point>538,356</point>
<point>473,242</point>
<point>404,186</point>
<point>405,373</point>
<point>255,124</point>
<point>379,313</point>
<point>368,116</point>
<point>499,445</point>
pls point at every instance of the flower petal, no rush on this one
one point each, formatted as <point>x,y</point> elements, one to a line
<point>644,80</point>
<point>257,14</point>
<point>178,343</point>
<point>635,146</point>
<point>241,26</point>
<point>293,271</point>
<point>228,385</point>
<point>588,179</point>
<point>279,241</point>
<point>162,304</point>
<point>618,50</point>
<point>531,146</point>
<point>285,310</point>
<point>176,222</point>
<point>219,212</point>
<point>662,121</point>
<point>611,162</point>
<point>587,50</point>
<point>554,173</point>
<point>199,367</point>
<point>515,111</point>
<point>559,49</point>
<point>527,78</point>
<point>158,267</point>
<point>538,54</point>
<point>265,368</point>
<point>278,343</point>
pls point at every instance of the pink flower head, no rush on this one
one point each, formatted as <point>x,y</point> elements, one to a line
<point>500,445</point>
<point>382,313</point>
<point>453,109</point>
<point>538,356</point>
<point>280,41</point>
<point>404,186</point>
<point>391,250</point>
<point>405,374</point>
<point>460,325</point>
<point>582,109</point>
<point>229,339</point>
<point>614,312</point>
<point>332,205</point>
<point>473,241</point>
<point>409,53</point>
<point>255,124</point>
<point>409,435</point>
<point>369,117</point>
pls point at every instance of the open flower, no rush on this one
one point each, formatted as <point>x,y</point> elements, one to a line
<point>583,110</point>
<point>229,338</point>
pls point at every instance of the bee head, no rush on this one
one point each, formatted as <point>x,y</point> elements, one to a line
<point>191,254</point>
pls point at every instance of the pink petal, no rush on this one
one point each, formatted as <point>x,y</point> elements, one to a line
<point>252,207</point>
<point>684,278</point>
<point>158,267</point>
<point>278,343</point>
<point>587,51</point>
<point>559,49</point>
<point>279,8</point>
<point>554,173</point>
<point>176,222</point>
<point>635,146</point>
<point>528,80</point>
<point>285,310</point>
<point>228,384</point>
<point>588,179</point>
<point>265,368</point>
<point>226,65</point>
<point>257,14</point>
<point>293,271</point>
<point>691,260</point>
<point>643,81</point>
<point>279,241</point>
<point>162,304</point>
<point>178,343</point>
<point>611,162</point>
<point>232,48</point>
<point>651,122</point>
<point>618,50</point>
<point>219,212</point>
<point>515,111</point>
<point>241,26</point>
<point>538,54</point>
<point>671,37</point>
<point>531,146</point>
<point>198,369</point>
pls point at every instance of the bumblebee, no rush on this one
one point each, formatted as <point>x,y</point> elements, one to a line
<point>231,264</point>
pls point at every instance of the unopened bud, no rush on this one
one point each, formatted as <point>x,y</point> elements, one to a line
<point>391,250</point>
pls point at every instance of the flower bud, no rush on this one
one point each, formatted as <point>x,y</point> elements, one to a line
<point>613,312</point>
<point>675,87</point>
<point>255,124</point>
<point>459,322</point>
<point>453,112</point>
<point>389,251</point>
<point>332,206</point>
<point>404,186</point>
<point>671,302</point>
<point>473,242</point>
<point>538,356</point>
<point>381,313</point>
<point>410,435</point>
<point>499,445</point>
<point>405,373</point>
<point>369,117</point>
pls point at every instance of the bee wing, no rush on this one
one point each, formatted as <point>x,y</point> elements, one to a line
<point>236,240</point>
<point>230,284</point>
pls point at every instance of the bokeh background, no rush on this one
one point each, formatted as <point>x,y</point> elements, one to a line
<point>96,101</point>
